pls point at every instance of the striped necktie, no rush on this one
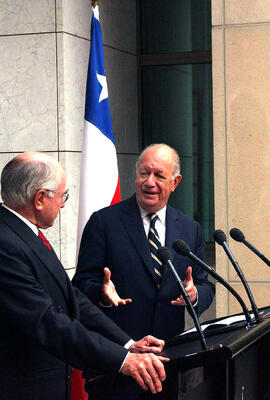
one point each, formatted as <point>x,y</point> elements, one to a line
<point>154,244</point>
<point>44,240</point>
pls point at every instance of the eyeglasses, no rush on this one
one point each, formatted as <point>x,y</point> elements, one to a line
<point>64,196</point>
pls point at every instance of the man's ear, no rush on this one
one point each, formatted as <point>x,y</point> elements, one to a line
<point>176,181</point>
<point>39,199</point>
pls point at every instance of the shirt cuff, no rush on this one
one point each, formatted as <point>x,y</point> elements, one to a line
<point>104,305</point>
<point>123,362</point>
<point>127,346</point>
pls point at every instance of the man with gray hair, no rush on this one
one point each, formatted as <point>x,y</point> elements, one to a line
<point>119,270</point>
<point>46,324</point>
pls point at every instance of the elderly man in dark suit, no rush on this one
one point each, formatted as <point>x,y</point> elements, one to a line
<point>118,269</point>
<point>46,324</point>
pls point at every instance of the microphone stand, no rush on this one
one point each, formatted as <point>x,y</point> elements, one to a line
<point>182,248</point>
<point>165,251</point>
<point>237,235</point>
<point>260,255</point>
<point>220,238</point>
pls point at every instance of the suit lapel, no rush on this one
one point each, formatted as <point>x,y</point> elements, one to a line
<point>46,256</point>
<point>173,232</point>
<point>172,229</point>
<point>133,224</point>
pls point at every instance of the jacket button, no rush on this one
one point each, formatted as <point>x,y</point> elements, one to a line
<point>60,308</point>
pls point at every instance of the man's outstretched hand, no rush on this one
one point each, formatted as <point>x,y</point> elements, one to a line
<point>190,289</point>
<point>109,294</point>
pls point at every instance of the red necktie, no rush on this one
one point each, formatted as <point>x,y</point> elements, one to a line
<point>44,240</point>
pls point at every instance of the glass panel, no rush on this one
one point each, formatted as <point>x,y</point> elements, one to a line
<point>177,110</point>
<point>175,26</point>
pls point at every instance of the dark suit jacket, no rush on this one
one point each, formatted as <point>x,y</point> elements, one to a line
<point>46,323</point>
<point>115,237</point>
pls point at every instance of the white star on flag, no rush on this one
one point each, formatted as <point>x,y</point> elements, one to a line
<point>104,91</point>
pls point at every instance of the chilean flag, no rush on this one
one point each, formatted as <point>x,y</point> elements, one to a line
<point>99,185</point>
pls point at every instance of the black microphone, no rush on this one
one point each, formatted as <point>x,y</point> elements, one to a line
<point>221,239</point>
<point>182,248</point>
<point>165,257</point>
<point>237,235</point>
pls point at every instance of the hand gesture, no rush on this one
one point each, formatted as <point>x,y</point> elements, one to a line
<point>146,369</point>
<point>148,344</point>
<point>190,289</point>
<point>109,294</point>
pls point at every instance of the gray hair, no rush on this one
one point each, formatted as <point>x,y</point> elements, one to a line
<point>21,178</point>
<point>171,150</point>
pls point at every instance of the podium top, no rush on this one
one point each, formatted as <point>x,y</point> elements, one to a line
<point>226,342</point>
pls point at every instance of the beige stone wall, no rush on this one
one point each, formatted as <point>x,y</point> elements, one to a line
<point>44,46</point>
<point>241,100</point>
<point>44,56</point>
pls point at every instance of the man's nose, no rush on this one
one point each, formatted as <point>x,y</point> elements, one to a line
<point>150,181</point>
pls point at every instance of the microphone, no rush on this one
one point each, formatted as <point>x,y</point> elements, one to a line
<point>237,235</point>
<point>221,239</point>
<point>165,257</point>
<point>182,248</point>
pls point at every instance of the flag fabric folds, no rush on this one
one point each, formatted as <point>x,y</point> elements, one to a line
<point>99,178</point>
<point>77,386</point>
<point>99,185</point>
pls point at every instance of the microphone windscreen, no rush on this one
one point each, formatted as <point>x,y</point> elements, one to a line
<point>164,254</point>
<point>237,235</point>
<point>219,236</point>
<point>181,247</point>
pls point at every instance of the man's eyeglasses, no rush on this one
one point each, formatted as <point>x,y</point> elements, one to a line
<point>64,196</point>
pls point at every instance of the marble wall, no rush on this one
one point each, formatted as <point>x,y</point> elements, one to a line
<point>241,99</point>
<point>44,47</point>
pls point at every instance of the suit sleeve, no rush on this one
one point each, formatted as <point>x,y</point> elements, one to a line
<point>29,309</point>
<point>92,259</point>
<point>92,318</point>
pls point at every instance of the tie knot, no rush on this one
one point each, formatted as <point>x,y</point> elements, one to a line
<point>153,217</point>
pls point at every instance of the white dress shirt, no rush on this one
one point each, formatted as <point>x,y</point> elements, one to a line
<point>160,224</point>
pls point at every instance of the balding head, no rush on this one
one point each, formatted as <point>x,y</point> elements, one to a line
<point>25,174</point>
<point>166,152</point>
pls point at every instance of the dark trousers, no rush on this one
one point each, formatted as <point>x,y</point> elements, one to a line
<point>51,384</point>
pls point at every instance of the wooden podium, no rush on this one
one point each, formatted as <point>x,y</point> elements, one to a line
<point>235,367</point>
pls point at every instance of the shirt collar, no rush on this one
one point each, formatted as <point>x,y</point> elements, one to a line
<point>32,226</point>
<point>161,214</point>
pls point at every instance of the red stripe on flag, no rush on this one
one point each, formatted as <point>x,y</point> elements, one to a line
<point>77,386</point>
<point>117,195</point>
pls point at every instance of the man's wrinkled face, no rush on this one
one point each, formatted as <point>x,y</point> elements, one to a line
<point>51,205</point>
<point>154,179</point>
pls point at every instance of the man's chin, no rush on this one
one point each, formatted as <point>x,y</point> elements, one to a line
<point>47,225</point>
<point>150,206</point>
